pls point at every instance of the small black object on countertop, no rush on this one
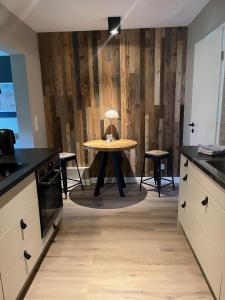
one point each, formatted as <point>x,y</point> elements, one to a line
<point>30,159</point>
<point>207,163</point>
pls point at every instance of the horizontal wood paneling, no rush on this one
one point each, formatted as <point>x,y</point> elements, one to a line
<point>140,73</point>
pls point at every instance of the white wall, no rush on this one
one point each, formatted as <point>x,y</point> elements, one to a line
<point>17,38</point>
<point>209,19</point>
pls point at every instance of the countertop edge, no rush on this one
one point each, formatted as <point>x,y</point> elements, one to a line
<point>20,175</point>
<point>199,162</point>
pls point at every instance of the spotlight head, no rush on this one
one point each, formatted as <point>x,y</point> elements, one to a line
<point>114,25</point>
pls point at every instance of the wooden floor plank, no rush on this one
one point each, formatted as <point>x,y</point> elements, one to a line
<point>131,253</point>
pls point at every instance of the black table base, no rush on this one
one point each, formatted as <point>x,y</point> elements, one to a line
<point>117,161</point>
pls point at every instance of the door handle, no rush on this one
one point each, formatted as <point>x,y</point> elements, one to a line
<point>23,225</point>
<point>186,164</point>
<point>185,178</point>
<point>192,124</point>
<point>27,255</point>
<point>183,205</point>
<point>205,201</point>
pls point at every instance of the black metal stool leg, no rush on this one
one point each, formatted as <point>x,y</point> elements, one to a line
<point>142,172</point>
<point>170,163</point>
<point>100,180</point>
<point>119,157</point>
<point>78,172</point>
<point>64,176</point>
<point>155,171</point>
<point>159,175</point>
<point>119,176</point>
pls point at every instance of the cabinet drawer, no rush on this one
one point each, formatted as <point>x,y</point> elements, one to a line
<point>211,216</point>
<point>14,279</point>
<point>16,201</point>
<point>34,248</point>
<point>210,186</point>
<point>184,164</point>
<point>206,251</point>
<point>11,245</point>
<point>32,220</point>
<point>183,208</point>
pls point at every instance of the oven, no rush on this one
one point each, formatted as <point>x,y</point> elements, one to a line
<point>49,193</point>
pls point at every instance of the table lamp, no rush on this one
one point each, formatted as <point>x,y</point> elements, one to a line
<point>111,114</point>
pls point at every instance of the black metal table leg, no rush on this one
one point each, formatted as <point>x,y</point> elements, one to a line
<point>102,171</point>
<point>120,159</point>
<point>159,175</point>
<point>64,176</point>
<point>118,172</point>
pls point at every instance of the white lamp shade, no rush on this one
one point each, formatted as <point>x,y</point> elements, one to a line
<point>111,114</point>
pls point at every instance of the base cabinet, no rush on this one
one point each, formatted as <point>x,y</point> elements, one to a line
<point>203,219</point>
<point>20,242</point>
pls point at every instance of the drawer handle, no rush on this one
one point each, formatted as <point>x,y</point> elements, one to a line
<point>186,164</point>
<point>27,255</point>
<point>205,201</point>
<point>23,225</point>
<point>183,205</point>
<point>185,178</point>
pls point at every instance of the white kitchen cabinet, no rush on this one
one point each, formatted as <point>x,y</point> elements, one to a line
<point>21,233</point>
<point>202,217</point>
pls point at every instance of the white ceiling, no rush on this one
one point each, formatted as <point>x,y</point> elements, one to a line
<point>75,15</point>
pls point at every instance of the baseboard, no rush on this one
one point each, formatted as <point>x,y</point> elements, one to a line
<point>84,171</point>
<point>133,180</point>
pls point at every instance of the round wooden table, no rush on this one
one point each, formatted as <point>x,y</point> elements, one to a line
<point>115,148</point>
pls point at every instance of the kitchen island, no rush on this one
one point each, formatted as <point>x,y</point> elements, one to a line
<point>22,240</point>
<point>201,213</point>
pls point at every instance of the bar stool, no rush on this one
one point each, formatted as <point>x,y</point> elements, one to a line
<point>64,158</point>
<point>157,156</point>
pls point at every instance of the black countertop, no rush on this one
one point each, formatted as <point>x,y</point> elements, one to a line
<point>200,160</point>
<point>32,158</point>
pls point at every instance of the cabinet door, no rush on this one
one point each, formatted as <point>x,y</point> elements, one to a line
<point>183,192</point>
<point>11,246</point>
<point>206,252</point>
<point>14,279</point>
<point>33,243</point>
<point>32,221</point>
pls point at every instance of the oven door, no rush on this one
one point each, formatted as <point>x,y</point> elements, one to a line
<point>50,200</point>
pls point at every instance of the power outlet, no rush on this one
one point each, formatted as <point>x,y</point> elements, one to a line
<point>162,167</point>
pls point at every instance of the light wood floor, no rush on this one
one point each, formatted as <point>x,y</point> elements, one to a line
<point>120,254</point>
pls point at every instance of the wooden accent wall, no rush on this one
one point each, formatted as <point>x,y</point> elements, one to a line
<point>140,73</point>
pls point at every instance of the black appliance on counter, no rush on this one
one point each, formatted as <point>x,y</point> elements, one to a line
<point>7,141</point>
<point>49,193</point>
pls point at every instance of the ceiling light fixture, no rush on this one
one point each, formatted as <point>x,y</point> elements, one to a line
<point>114,25</point>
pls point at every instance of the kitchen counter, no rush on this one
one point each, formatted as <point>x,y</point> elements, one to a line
<point>200,160</point>
<point>32,158</point>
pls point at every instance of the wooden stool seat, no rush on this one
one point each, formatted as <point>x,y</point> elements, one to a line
<point>157,156</point>
<point>156,153</point>
<point>64,158</point>
<point>67,155</point>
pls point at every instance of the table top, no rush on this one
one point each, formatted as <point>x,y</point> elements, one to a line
<point>113,146</point>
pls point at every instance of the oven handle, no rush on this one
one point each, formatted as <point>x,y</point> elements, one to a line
<point>48,183</point>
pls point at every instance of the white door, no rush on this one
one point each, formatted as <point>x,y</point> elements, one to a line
<point>206,84</point>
